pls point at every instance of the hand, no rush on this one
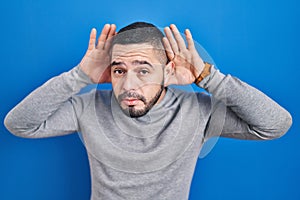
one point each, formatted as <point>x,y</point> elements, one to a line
<point>96,60</point>
<point>187,61</point>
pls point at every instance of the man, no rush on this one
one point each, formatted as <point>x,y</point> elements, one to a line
<point>143,138</point>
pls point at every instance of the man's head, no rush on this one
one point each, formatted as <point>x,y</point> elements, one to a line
<point>138,65</point>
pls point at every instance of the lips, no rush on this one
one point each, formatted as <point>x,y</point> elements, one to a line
<point>130,101</point>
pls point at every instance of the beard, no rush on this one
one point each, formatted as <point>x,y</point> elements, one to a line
<point>132,111</point>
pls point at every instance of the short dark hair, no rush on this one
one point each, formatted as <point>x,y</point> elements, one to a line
<point>142,32</point>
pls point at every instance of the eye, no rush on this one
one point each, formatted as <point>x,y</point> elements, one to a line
<point>143,72</point>
<point>119,71</point>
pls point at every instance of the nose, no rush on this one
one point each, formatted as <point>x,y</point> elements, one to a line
<point>130,82</point>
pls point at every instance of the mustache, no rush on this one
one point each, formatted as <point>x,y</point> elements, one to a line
<point>131,95</point>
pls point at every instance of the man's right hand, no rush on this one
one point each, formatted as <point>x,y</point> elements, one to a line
<point>96,60</point>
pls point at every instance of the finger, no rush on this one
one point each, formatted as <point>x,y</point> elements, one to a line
<point>189,39</point>
<point>111,34</point>
<point>92,40</point>
<point>168,48</point>
<point>103,36</point>
<point>171,40</point>
<point>178,37</point>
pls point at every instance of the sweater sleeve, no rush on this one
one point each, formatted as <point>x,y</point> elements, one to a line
<point>49,110</point>
<point>241,111</point>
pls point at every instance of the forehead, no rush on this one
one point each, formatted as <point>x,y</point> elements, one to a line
<point>123,51</point>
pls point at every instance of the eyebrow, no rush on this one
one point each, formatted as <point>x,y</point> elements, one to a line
<point>114,63</point>
<point>141,62</point>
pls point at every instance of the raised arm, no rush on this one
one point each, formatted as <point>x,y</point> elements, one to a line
<point>248,113</point>
<point>50,109</point>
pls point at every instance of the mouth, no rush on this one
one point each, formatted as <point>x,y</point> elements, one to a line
<point>130,101</point>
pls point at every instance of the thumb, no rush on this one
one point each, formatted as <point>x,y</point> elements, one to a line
<point>168,48</point>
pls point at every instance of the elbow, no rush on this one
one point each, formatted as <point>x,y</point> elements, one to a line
<point>14,128</point>
<point>281,126</point>
<point>9,124</point>
<point>285,125</point>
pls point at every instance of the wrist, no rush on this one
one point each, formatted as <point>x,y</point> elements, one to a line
<point>198,69</point>
<point>204,73</point>
<point>82,74</point>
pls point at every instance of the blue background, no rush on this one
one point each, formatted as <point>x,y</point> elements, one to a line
<point>257,41</point>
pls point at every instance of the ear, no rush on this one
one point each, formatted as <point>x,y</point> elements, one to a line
<point>169,73</point>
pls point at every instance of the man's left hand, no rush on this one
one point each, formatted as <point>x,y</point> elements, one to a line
<point>187,62</point>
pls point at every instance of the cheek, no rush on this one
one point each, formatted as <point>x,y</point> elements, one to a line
<point>150,91</point>
<point>154,79</point>
<point>157,80</point>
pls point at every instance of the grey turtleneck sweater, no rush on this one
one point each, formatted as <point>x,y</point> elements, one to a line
<point>154,156</point>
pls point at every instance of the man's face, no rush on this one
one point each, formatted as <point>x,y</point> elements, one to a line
<point>137,77</point>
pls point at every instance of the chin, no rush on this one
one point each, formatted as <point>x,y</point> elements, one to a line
<point>132,112</point>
